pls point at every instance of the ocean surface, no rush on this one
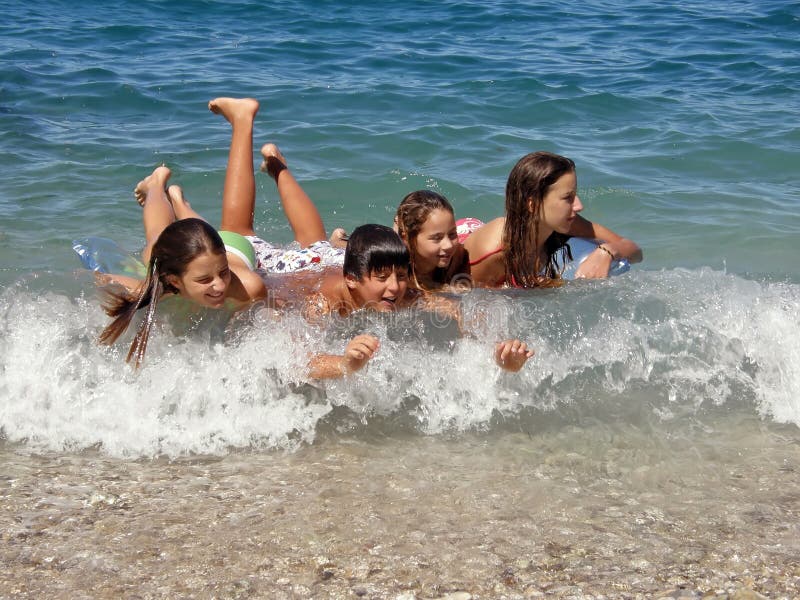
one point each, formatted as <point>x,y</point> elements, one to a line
<point>650,449</point>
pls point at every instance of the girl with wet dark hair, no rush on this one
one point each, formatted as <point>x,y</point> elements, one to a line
<point>542,206</point>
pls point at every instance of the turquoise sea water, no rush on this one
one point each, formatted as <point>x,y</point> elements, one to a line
<point>682,120</point>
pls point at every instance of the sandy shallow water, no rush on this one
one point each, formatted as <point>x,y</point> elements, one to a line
<point>582,511</point>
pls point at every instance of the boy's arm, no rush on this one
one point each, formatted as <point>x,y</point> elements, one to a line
<point>326,366</point>
<point>357,353</point>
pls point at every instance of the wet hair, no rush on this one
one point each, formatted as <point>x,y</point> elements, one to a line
<point>179,244</point>
<point>527,183</point>
<point>411,215</point>
<point>372,248</point>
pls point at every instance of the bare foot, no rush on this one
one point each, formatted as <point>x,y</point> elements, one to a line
<point>180,205</point>
<point>234,109</point>
<point>273,162</point>
<point>155,181</point>
<point>339,238</point>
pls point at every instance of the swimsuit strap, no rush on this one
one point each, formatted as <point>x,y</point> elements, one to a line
<point>485,256</point>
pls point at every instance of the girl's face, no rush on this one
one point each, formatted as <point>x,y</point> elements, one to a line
<point>561,204</point>
<point>205,280</point>
<point>436,241</point>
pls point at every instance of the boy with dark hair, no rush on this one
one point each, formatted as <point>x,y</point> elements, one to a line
<point>375,276</point>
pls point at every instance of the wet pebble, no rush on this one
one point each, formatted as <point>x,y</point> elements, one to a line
<point>746,594</point>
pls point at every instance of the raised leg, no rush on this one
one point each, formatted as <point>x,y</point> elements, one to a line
<point>157,211</point>
<point>180,205</point>
<point>302,214</point>
<point>239,193</point>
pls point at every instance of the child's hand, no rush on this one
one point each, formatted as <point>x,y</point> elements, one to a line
<point>511,355</point>
<point>359,350</point>
<point>596,266</point>
<point>333,366</point>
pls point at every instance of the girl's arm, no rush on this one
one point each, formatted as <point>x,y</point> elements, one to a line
<point>621,247</point>
<point>131,284</point>
<point>614,246</point>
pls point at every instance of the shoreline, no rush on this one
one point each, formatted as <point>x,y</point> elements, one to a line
<point>408,518</point>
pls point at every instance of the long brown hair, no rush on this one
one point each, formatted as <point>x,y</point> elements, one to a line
<point>527,185</point>
<point>411,215</point>
<point>178,245</point>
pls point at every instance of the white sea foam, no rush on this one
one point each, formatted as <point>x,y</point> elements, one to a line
<point>680,341</point>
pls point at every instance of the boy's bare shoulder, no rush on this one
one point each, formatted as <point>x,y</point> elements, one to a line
<point>315,307</point>
<point>329,297</point>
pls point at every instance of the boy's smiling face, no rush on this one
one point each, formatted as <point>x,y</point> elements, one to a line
<point>380,290</point>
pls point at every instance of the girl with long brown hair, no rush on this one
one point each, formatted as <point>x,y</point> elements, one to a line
<point>542,205</point>
<point>184,255</point>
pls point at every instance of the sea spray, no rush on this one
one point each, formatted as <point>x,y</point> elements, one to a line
<point>678,341</point>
